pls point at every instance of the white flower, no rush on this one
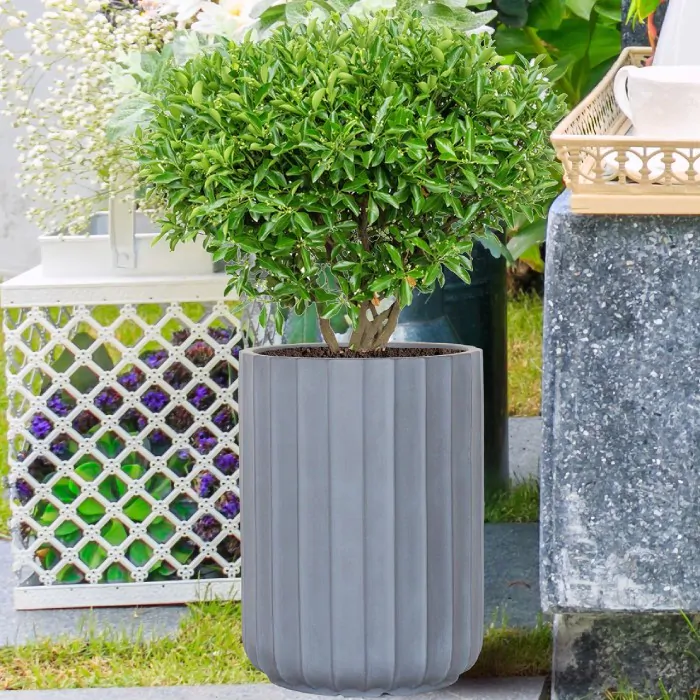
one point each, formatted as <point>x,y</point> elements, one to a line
<point>230,18</point>
<point>480,30</point>
<point>184,10</point>
<point>366,8</point>
<point>185,46</point>
<point>123,82</point>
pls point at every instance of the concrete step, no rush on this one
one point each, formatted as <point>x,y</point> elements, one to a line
<point>465,689</point>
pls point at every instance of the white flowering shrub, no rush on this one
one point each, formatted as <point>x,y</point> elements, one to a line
<point>67,158</point>
<point>78,92</point>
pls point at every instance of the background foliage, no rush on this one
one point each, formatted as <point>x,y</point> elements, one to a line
<point>579,40</point>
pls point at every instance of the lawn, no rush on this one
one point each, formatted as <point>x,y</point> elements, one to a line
<point>524,355</point>
<point>208,650</point>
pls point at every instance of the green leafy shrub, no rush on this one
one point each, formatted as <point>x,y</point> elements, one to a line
<point>344,165</point>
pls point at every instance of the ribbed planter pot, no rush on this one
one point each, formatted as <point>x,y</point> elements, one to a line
<point>362,512</point>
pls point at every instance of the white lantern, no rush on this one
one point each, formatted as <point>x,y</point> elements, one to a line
<point>123,422</point>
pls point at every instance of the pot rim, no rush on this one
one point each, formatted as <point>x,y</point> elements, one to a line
<point>460,351</point>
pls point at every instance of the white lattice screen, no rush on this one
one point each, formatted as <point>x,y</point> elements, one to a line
<point>123,422</point>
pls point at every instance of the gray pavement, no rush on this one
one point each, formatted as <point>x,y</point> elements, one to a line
<point>465,689</point>
<point>524,445</point>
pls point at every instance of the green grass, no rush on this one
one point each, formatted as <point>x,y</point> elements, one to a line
<point>208,650</point>
<point>4,503</point>
<point>524,355</point>
<point>519,504</point>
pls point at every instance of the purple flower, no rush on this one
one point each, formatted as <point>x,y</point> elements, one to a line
<point>207,527</point>
<point>179,337</point>
<point>24,491</point>
<point>228,505</point>
<point>199,353</point>
<point>203,441</point>
<point>133,421</point>
<point>158,438</point>
<point>177,375</point>
<point>223,374</point>
<point>155,358</point>
<point>184,456</point>
<point>40,426</point>
<point>132,379</point>
<point>201,397</point>
<point>226,462</point>
<point>221,335</point>
<point>236,351</point>
<point>109,401</point>
<point>85,422</point>
<point>155,400</point>
<point>179,419</point>
<point>207,485</point>
<point>58,405</point>
<point>223,419</point>
<point>61,447</point>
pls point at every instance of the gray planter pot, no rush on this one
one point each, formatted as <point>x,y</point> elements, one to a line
<point>362,520</point>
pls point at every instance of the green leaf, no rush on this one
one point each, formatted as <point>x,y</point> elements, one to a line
<point>161,529</point>
<point>89,470</point>
<point>139,553</point>
<point>114,532</point>
<point>67,530</point>
<point>581,8</point>
<point>317,98</point>
<point>372,211</point>
<point>198,92</point>
<point>69,574</point>
<point>65,490</point>
<point>446,149</point>
<point>405,293</point>
<point>137,509</point>
<point>116,574</point>
<point>302,329</point>
<point>531,235</point>
<point>394,255</point>
<point>92,555</point>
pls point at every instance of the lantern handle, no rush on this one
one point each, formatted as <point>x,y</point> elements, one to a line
<point>122,230</point>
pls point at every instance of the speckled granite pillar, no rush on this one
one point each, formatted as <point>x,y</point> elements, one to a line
<point>620,519</point>
<point>594,654</point>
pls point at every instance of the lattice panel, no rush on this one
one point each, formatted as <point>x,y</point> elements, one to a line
<point>123,425</point>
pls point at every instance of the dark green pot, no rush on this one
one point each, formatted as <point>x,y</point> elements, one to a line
<point>473,314</point>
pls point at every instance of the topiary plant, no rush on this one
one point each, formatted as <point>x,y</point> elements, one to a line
<point>344,163</point>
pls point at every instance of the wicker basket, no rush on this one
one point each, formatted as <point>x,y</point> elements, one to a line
<point>609,170</point>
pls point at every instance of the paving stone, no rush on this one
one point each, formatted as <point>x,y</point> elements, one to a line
<point>511,575</point>
<point>465,689</point>
<point>524,447</point>
<point>19,627</point>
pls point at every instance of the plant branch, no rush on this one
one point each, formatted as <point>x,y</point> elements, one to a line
<point>392,319</point>
<point>329,335</point>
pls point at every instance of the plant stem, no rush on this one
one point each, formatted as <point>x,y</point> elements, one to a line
<point>329,335</point>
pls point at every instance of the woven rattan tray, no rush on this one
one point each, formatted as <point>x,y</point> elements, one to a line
<point>609,170</point>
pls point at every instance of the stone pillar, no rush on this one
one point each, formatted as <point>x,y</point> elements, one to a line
<point>620,472</point>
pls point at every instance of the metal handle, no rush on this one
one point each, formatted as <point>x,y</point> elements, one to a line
<point>122,231</point>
